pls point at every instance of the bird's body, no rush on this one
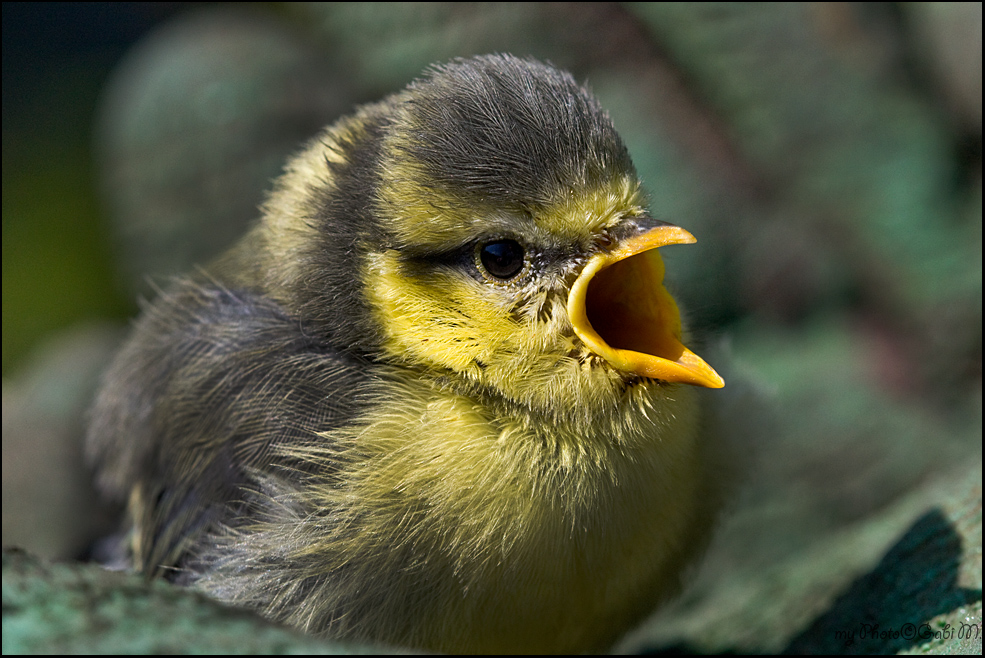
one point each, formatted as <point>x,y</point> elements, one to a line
<point>437,396</point>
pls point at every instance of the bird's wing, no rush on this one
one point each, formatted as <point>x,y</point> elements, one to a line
<point>211,381</point>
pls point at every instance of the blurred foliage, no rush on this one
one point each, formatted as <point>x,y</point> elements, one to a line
<point>826,156</point>
<point>58,608</point>
<point>58,263</point>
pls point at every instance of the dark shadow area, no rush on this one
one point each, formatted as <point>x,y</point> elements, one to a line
<point>887,610</point>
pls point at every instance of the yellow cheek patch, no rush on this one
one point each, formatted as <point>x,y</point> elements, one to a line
<point>621,310</point>
<point>439,319</point>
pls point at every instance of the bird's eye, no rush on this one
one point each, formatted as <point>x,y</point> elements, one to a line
<point>502,259</point>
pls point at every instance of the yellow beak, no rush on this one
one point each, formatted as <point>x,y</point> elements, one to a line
<point>622,312</point>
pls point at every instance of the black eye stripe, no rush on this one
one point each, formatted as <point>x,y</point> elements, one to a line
<point>502,259</point>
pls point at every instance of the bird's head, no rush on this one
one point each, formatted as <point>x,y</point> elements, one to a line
<point>485,227</point>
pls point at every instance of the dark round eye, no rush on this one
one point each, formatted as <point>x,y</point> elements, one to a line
<point>502,259</point>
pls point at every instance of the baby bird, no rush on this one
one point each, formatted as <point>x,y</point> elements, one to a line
<point>438,397</point>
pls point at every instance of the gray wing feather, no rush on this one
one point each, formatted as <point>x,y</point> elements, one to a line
<point>210,382</point>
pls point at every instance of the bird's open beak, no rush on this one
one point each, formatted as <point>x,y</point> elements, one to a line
<point>622,312</point>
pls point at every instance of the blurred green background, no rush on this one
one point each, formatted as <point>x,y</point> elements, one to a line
<point>827,157</point>
<point>57,255</point>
